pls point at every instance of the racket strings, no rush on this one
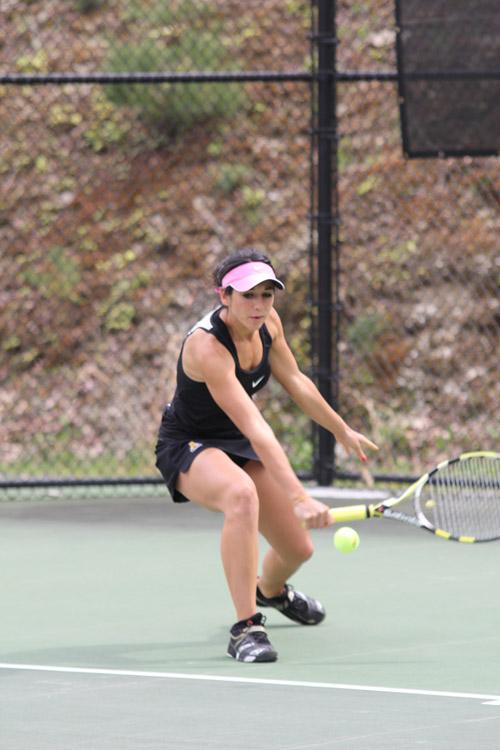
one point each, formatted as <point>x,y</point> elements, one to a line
<point>463,498</point>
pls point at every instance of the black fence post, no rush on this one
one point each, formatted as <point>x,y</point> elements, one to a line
<point>327,229</point>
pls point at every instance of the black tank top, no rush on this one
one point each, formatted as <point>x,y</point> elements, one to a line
<point>193,412</point>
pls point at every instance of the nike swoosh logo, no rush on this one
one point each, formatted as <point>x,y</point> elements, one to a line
<point>255,383</point>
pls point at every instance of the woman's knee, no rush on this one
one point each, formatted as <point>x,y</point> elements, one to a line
<point>297,553</point>
<point>241,502</point>
<point>304,550</point>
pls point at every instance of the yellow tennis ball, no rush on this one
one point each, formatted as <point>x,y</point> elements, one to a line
<point>430,504</point>
<point>346,539</point>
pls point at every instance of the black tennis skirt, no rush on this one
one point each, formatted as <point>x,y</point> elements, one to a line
<point>175,453</point>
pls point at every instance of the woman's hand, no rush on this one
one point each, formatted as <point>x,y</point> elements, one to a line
<point>355,442</point>
<point>312,513</point>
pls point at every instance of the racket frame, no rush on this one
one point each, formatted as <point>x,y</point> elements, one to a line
<point>386,507</point>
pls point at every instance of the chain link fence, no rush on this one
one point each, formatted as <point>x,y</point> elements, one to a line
<point>420,270</point>
<point>117,198</point>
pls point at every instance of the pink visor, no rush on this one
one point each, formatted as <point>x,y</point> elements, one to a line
<point>245,277</point>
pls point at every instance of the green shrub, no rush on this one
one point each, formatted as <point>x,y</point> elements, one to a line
<point>58,276</point>
<point>120,317</point>
<point>228,177</point>
<point>167,14</point>
<point>176,107</point>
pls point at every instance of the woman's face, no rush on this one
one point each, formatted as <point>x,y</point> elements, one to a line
<point>251,308</point>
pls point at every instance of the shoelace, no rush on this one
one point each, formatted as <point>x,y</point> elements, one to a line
<point>254,628</point>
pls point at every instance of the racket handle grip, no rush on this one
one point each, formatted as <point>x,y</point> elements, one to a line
<point>349,513</point>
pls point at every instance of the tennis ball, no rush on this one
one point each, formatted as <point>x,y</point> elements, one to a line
<point>346,539</point>
<point>430,504</point>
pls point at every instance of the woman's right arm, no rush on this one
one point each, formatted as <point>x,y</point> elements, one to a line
<point>208,361</point>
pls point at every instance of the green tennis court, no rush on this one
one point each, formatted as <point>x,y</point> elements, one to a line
<point>103,647</point>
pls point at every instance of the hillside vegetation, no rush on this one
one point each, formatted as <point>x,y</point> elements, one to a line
<point>116,202</point>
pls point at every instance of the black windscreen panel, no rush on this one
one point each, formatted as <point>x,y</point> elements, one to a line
<point>449,76</point>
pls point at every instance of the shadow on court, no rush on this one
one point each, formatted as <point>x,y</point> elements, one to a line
<point>132,591</point>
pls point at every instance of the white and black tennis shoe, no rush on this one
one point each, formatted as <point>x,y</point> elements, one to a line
<point>249,641</point>
<point>294,605</point>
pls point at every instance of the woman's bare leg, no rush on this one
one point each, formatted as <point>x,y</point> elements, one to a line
<point>217,483</point>
<point>291,544</point>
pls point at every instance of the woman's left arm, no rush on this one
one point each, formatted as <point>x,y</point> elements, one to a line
<point>307,397</point>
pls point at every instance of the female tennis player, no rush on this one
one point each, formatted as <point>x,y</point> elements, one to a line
<point>216,449</point>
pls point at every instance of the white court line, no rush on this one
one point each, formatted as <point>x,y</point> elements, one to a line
<point>488,700</point>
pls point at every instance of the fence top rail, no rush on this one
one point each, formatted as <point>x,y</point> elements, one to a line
<point>158,77</point>
<point>250,76</point>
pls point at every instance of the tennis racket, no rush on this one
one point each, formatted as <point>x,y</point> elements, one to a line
<point>459,500</point>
